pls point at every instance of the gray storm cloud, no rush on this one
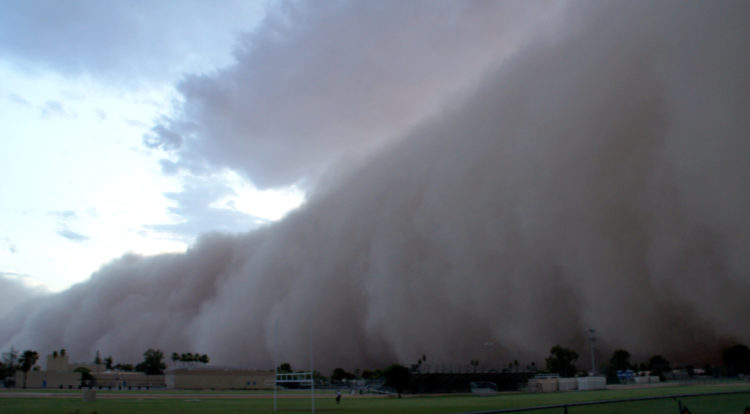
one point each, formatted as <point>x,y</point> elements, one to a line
<point>596,177</point>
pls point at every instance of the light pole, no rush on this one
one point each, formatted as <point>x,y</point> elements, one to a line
<point>592,340</point>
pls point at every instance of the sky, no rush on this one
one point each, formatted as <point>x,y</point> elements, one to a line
<point>380,180</point>
<point>83,84</point>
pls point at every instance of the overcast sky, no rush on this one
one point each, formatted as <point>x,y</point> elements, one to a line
<point>82,86</point>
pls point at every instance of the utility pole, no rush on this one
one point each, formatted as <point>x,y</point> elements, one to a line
<point>592,340</point>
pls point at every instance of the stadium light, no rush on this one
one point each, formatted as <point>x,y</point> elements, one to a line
<point>592,340</point>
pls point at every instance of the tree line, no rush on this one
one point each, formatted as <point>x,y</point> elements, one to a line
<point>12,362</point>
<point>152,364</point>
<point>561,361</point>
<point>736,360</point>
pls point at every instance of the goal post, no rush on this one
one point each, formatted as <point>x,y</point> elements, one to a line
<point>296,378</point>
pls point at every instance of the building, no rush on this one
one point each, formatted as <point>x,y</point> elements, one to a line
<point>60,373</point>
<point>218,378</point>
<point>125,380</point>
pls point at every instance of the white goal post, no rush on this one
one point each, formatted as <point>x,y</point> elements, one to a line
<point>297,378</point>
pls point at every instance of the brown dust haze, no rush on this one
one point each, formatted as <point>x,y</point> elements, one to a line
<point>531,171</point>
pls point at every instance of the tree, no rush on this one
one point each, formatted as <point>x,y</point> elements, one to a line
<point>474,363</point>
<point>26,361</point>
<point>561,361</point>
<point>339,374</point>
<point>620,360</point>
<point>285,368</point>
<point>5,374</point>
<point>152,362</point>
<point>658,365</point>
<point>737,359</point>
<point>86,376</point>
<point>108,362</point>
<point>190,357</point>
<point>397,376</point>
<point>367,374</point>
<point>10,359</point>
<point>416,367</point>
<point>9,367</point>
<point>532,367</point>
<point>98,358</point>
<point>124,367</point>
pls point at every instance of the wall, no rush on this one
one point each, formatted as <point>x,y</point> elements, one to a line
<point>128,380</point>
<point>45,379</point>
<point>219,379</point>
<point>592,383</point>
<point>567,384</point>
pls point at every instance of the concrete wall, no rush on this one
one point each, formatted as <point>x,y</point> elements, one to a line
<point>592,383</point>
<point>543,384</point>
<point>219,379</point>
<point>567,384</point>
<point>44,379</point>
<point>128,380</point>
<point>116,380</point>
<point>646,380</point>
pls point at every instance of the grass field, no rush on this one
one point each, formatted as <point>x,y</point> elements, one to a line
<point>238,402</point>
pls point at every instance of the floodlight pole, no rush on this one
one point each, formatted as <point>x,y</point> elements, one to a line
<point>592,339</point>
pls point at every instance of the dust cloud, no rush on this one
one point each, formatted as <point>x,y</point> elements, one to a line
<point>598,177</point>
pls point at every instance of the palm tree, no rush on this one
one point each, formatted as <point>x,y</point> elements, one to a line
<point>27,360</point>
<point>474,363</point>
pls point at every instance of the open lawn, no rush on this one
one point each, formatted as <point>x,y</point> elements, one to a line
<point>239,402</point>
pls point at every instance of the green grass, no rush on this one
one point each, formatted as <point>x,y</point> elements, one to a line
<point>162,391</point>
<point>194,403</point>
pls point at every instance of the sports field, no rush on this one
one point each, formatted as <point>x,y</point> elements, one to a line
<point>253,402</point>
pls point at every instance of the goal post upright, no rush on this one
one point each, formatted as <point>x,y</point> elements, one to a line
<point>296,377</point>
<point>312,374</point>
<point>275,383</point>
